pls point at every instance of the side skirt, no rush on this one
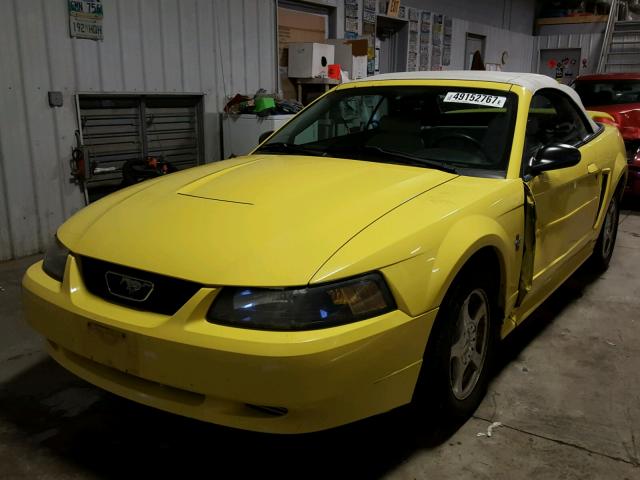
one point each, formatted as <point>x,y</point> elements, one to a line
<point>531,303</point>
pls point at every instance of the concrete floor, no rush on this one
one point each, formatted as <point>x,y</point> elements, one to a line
<point>567,393</point>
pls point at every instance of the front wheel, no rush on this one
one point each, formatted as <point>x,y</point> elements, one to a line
<point>470,343</point>
<point>456,366</point>
<point>601,256</point>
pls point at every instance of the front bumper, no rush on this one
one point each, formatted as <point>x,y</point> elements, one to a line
<point>310,380</point>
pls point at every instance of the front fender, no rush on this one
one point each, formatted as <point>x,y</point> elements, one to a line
<point>466,238</point>
<point>422,246</point>
<point>420,283</point>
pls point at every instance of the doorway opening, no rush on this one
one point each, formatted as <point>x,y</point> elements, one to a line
<point>473,43</point>
<point>392,38</point>
<point>300,22</point>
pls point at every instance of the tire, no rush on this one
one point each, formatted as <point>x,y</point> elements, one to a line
<point>603,250</point>
<point>458,360</point>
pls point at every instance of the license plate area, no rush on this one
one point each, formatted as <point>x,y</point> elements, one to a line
<point>111,347</point>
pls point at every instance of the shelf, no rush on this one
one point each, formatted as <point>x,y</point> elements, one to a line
<point>574,19</point>
<point>316,81</point>
<point>398,19</point>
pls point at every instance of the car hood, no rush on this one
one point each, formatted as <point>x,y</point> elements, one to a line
<point>269,220</point>
<point>626,115</point>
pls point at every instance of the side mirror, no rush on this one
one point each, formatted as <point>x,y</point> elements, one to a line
<point>263,136</point>
<point>554,157</point>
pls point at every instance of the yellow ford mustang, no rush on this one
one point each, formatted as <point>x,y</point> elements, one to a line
<point>370,253</point>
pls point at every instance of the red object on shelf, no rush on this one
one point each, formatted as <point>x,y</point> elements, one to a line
<point>334,71</point>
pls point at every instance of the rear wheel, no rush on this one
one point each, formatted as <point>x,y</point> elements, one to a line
<point>456,366</point>
<point>603,250</point>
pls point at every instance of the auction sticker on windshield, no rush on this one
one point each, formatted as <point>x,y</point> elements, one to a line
<point>475,99</point>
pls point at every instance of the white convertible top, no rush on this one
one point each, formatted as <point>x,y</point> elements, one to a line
<point>530,81</point>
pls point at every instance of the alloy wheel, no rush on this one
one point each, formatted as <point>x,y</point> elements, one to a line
<point>470,344</point>
<point>609,228</point>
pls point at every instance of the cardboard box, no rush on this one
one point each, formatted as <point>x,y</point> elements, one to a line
<point>393,8</point>
<point>310,60</point>
<point>352,56</point>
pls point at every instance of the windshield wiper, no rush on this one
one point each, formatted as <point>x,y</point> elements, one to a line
<point>289,148</point>
<point>393,156</point>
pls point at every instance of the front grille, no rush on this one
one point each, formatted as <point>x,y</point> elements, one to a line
<point>135,288</point>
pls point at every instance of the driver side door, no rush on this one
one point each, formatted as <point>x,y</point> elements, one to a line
<point>567,199</point>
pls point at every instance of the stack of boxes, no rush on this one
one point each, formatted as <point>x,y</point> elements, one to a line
<point>311,60</point>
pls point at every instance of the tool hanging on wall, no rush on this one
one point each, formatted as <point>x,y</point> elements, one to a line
<point>80,168</point>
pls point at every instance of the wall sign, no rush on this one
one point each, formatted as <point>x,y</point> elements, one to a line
<point>85,19</point>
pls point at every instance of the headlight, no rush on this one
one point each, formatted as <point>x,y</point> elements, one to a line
<point>307,308</point>
<point>55,260</point>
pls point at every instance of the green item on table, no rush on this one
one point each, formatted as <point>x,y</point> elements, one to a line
<point>264,103</point>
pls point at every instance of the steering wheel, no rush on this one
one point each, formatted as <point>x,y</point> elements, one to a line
<point>467,138</point>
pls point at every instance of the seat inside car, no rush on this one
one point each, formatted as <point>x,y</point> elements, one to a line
<point>398,133</point>
<point>495,137</point>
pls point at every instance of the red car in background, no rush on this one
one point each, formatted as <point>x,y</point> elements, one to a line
<point>617,94</point>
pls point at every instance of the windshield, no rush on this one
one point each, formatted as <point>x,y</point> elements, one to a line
<point>457,129</point>
<point>608,92</point>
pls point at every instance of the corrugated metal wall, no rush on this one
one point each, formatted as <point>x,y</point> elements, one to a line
<point>217,47</point>
<point>589,43</point>
<point>518,46</point>
<point>513,15</point>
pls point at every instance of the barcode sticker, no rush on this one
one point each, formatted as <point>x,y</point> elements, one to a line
<point>496,101</point>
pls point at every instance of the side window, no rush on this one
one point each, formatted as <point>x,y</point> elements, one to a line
<point>553,118</point>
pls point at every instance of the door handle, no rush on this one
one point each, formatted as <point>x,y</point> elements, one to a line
<point>593,169</point>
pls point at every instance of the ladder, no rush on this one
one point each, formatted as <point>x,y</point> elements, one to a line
<point>621,44</point>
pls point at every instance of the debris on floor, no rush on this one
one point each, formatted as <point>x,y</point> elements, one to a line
<point>489,430</point>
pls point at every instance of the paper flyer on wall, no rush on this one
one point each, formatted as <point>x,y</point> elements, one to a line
<point>436,58</point>
<point>425,22</point>
<point>448,31</point>
<point>446,55</point>
<point>413,41</point>
<point>437,29</point>
<point>369,16</point>
<point>369,32</point>
<point>447,41</point>
<point>351,17</point>
<point>425,39</point>
<point>412,64</point>
<point>424,61</point>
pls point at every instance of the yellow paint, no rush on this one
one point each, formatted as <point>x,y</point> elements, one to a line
<point>271,220</point>
<point>323,377</point>
<point>594,114</point>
